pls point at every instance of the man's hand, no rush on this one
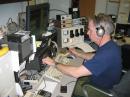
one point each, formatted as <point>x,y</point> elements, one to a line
<point>48,61</point>
<point>73,51</point>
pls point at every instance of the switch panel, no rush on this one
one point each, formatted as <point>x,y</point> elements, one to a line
<point>69,37</point>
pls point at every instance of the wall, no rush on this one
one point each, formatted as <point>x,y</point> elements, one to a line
<point>124,11</point>
<point>61,5</point>
<point>100,6</point>
<point>11,10</point>
<point>104,6</point>
<point>112,8</point>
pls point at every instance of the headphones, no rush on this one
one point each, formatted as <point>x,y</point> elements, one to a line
<point>99,29</point>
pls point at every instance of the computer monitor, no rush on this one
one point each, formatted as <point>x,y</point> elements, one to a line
<point>122,29</point>
<point>37,19</point>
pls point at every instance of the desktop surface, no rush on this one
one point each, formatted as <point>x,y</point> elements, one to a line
<point>64,87</point>
<point>54,87</point>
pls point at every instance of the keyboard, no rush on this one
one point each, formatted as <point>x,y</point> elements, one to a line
<point>53,74</point>
<point>62,59</point>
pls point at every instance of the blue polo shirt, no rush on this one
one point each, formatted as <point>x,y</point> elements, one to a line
<point>105,66</point>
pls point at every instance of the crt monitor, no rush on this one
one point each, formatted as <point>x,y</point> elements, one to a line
<point>37,19</point>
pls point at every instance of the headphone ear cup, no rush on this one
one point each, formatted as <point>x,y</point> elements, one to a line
<point>100,31</point>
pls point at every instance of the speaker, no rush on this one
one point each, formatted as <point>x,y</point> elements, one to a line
<point>100,31</point>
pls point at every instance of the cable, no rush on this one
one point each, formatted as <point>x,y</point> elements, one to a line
<point>58,10</point>
<point>69,83</point>
<point>55,44</point>
<point>49,42</point>
<point>44,83</point>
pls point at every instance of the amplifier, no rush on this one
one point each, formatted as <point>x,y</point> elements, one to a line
<point>63,17</point>
<point>80,21</point>
<point>68,21</point>
<point>63,24</point>
<point>66,26</point>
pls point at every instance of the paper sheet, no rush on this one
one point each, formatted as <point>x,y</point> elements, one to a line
<point>85,47</point>
<point>50,86</point>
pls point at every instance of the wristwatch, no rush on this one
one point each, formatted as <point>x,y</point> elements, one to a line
<point>56,63</point>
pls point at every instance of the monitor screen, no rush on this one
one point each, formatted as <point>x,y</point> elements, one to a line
<point>37,19</point>
<point>122,29</point>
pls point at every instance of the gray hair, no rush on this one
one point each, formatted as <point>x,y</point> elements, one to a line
<point>104,21</point>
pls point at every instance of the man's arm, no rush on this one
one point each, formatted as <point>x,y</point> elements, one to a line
<point>82,55</point>
<point>68,69</point>
<point>86,56</point>
<point>73,71</point>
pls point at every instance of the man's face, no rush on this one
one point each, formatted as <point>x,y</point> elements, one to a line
<point>92,31</point>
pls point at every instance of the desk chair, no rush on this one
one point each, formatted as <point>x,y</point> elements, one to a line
<point>120,90</point>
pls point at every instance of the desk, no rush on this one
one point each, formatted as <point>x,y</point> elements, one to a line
<point>65,80</point>
<point>7,81</point>
<point>120,42</point>
<point>70,87</point>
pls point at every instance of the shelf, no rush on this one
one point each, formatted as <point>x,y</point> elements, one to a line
<point>11,1</point>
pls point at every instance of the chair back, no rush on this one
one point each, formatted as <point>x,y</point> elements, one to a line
<point>120,90</point>
<point>123,88</point>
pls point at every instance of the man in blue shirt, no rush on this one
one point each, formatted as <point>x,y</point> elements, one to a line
<point>104,66</point>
